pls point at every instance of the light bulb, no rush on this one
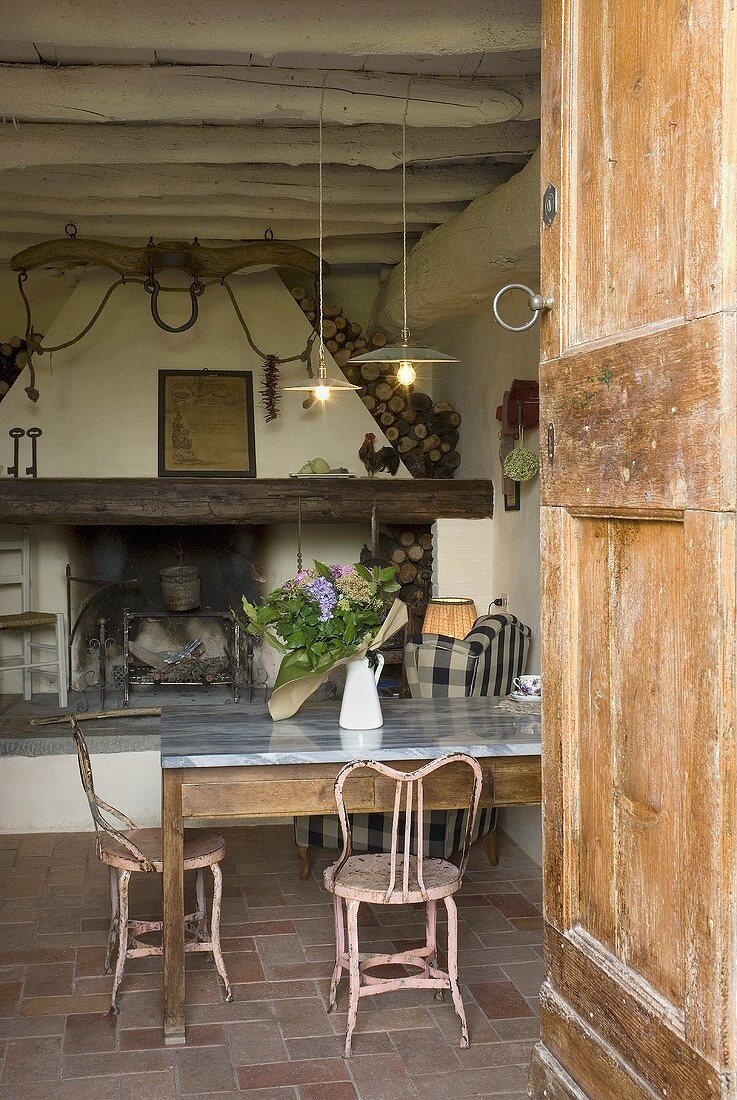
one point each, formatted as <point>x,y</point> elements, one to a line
<point>406,374</point>
<point>322,393</point>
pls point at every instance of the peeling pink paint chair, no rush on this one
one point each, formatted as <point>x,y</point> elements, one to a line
<point>398,878</point>
<point>140,850</point>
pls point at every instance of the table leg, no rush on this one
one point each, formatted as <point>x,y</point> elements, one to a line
<point>173,916</point>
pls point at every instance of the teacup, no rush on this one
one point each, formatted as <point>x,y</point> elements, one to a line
<point>528,685</point>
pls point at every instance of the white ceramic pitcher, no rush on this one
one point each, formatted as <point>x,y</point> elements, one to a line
<point>361,709</point>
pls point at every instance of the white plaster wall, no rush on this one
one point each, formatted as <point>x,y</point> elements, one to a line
<point>491,359</point>
<point>98,408</point>
<point>463,557</point>
<point>44,793</point>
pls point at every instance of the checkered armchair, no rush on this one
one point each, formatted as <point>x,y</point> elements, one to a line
<point>485,662</point>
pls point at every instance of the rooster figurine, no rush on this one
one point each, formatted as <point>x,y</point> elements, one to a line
<point>385,459</point>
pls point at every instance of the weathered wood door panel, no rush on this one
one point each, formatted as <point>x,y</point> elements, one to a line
<point>638,370</point>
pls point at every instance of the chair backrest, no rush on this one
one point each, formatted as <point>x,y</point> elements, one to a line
<point>410,790</point>
<point>97,805</point>
<point>506,643</point>
<point>17,573</point>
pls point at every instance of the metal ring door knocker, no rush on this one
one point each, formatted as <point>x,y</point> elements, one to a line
<point>537,302</point>
<point>153,286</point>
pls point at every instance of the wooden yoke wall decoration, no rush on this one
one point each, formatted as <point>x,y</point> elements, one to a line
<point>142,265</point>
<point>520,408</point>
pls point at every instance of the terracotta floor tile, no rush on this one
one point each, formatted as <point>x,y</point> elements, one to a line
<point>89,1034</point>
<point>160,1085</point>
<point>499,1000</point>
<point>102,1088</point>
<point>338,1090</point>
<point>253,1043</point>
<point>30,1060</point>
<point>518,1028</point>
<point>302,1017</point>
<point>381,1077</point>
<point>116,1063</point>
<point>426,1050</point>
<point>528,924</point>
<point>67,1006</point>
<point>503,1081</point>
<point>49,979</point>
<point>331,1046</point>
<point>207,1068</point>
<point>514,905</point>
<point>527,976</point>
<point>276,1034</point>
<point>10,997</point>
<point>152,1038</point>
<point>496,1054</point>
<point>278,1074</point>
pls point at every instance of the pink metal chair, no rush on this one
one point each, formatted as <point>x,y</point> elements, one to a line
<point>398,878</point>
<point>140,850</point>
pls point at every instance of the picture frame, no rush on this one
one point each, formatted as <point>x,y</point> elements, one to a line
<point>206,426</point>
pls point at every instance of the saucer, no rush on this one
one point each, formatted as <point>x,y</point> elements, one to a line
<point>520,698</point>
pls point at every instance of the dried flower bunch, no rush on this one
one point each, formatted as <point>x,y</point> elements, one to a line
<point>323,614</point>
<point>520,464</point>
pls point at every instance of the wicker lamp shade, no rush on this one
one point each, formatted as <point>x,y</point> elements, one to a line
<point>451,615</point>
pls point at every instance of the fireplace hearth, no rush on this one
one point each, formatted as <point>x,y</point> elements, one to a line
<point>123,636</point>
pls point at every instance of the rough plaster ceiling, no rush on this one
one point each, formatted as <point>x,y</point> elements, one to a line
<point>184,119</point>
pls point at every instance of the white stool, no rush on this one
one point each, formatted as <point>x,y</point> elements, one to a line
<point>25,620</point>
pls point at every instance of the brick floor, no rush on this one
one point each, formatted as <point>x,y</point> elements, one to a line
<point>275,1041</point>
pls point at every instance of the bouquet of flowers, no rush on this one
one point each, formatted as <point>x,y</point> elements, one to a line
<point>321,618</point>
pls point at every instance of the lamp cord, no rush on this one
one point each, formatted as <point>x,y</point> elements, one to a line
<point>322,371</point>
<point>405,330</point>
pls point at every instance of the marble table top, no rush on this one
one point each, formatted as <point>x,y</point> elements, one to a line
<point>414,729</point>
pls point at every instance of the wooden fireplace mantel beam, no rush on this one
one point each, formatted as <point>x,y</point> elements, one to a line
<point>198,500</point>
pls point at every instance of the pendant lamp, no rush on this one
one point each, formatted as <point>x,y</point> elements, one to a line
<point>405,355</point>
<point>322,386</point>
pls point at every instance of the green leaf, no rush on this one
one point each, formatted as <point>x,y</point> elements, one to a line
<point>323,570</point>
<point>364,572</point>
<point>388,574</point>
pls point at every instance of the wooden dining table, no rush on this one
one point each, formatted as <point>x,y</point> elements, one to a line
<point>226,764</point>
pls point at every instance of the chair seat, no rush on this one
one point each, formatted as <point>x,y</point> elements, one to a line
<point>201,849</point>
<point>367,877</point>
<point>24,620</point>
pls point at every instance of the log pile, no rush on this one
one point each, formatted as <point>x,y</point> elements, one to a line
<point>425,433</point>
<point>13,358</point>
<point>410,550</point>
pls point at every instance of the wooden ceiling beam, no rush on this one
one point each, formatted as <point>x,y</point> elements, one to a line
<point>270,27</point>
<point>201,225</point>
<point>343,184</point>
<point>251,94</point>
<point>220,206</point>
<point>43,144</point>
<point>495,239</point>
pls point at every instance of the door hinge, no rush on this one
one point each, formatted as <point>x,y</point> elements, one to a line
<point>550,205</point>
<point>551,442</point>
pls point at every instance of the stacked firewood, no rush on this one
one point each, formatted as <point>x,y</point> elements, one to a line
<point>13,358</point>
<point>424,432</point>
<point>410,550</point>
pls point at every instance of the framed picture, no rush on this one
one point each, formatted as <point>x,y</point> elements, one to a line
<point>206,424</point>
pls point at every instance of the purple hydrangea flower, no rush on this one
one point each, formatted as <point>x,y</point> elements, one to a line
<point>340,570</point>
<point>322,592</point>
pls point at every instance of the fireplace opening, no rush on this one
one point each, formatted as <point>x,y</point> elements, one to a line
<point>152,608</point>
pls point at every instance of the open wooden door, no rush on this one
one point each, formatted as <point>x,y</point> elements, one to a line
<point>638,380</point>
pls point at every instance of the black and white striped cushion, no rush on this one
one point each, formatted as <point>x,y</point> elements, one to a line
<point>485,662</point>
<point>443,831</point>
